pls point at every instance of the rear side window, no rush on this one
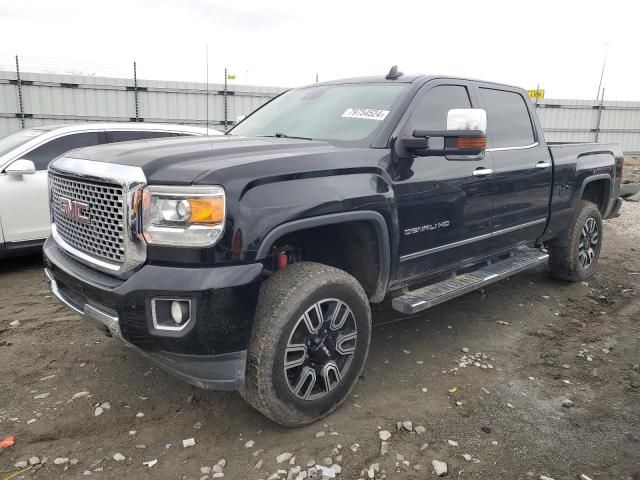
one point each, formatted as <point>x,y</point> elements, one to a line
<point>508,121</point>
<point>44,154</point>
<point>432,109</point>
<point>126,136</point>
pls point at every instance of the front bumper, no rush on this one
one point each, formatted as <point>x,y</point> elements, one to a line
<point>210,353</point>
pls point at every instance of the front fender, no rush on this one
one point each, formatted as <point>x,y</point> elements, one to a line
<point>268,211</point>
<point>268,206</point>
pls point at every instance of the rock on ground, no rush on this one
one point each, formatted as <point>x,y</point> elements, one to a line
<point>439,467</point>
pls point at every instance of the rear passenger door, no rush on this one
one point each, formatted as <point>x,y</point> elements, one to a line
<point>522,168</point>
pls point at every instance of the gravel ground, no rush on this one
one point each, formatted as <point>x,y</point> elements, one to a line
<point>631,173</point>
<point>562,397</point>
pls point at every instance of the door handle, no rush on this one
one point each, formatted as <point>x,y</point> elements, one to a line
<point>482,172</point>
<point>543,164</point>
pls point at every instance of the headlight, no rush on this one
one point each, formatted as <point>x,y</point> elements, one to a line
<point>183,216</point>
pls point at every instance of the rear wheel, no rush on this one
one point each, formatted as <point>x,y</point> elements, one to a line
<point>309,343</point>
<point>577,261</point>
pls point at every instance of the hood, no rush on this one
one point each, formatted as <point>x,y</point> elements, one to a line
<point>183,160</point>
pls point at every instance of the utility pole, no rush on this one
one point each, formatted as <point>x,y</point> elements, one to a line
<point>604,63</point>
<point>600,111</point>
<point>21,104</point>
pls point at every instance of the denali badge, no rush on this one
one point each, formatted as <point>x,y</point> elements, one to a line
<point>424,228</point>
<point>73,209</point>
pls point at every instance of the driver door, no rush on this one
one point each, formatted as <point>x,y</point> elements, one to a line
<point>444,204</point>
<point>24,198</point>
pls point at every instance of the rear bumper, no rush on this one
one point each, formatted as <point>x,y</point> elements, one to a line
<point>210,354</point>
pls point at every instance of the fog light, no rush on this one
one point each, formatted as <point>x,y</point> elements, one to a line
<point>179,311</point>
<point>170,313</point>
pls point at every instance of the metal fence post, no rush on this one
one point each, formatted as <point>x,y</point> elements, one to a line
<point>21,104</point>
<point>206,97</point>
<point>135,90</point>
<point>225,98</point>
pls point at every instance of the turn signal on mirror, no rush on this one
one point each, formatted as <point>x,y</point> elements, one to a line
<point>471,142</point>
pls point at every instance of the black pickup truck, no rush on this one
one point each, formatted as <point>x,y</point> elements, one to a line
<point>249,261</point>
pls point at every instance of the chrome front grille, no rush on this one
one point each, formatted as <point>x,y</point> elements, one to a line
<point>103,235</point>
<point>96,213</point>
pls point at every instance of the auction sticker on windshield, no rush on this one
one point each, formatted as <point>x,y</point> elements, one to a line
<point>366,113</point>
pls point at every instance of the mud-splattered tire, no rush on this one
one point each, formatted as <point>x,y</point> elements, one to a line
<point>309,343</point>
<point>577,261</point>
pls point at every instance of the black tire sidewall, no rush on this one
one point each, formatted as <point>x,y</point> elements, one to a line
<point>590,210</point>
<point>283,299</point>
<point>323,405</point>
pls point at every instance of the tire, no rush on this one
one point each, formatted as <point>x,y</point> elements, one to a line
<point>577,261</point>
<point>286,316</point>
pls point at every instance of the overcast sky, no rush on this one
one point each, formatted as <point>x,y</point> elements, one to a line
<point>558,44</point>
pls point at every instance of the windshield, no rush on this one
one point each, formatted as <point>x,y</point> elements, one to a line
<point>348,113</point>
<point>14,140</point>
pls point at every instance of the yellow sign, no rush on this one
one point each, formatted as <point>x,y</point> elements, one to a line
<point>231,76</point>
<point>536,94</point>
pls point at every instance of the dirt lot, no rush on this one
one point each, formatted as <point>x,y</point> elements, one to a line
<point>561,341</point>
<point>631,172</point>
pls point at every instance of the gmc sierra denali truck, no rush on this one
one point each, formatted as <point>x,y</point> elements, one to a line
<point>249,261</point>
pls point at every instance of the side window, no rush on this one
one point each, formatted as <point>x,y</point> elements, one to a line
<point>508,121</point>
<point>128,135</point>
<point>431,110</point>
<point>44,154</point>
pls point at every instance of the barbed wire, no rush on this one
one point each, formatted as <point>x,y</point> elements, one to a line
<point>68,66</point>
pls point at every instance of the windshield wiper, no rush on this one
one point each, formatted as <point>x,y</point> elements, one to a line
<point>284,135</point>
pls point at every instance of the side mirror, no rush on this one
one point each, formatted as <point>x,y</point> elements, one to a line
<point>21,167</point>
<point>467,119</point>
<point>464,139</point>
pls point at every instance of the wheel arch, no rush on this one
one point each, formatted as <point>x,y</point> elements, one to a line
<point>597,189</point>
<point>601,188</point>
<point>370,217</point>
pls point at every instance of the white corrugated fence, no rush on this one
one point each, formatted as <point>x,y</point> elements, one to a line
<point>591,121</point>
<point>55,98</point>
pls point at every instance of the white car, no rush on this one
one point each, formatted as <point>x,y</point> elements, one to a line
<point>24,158</point>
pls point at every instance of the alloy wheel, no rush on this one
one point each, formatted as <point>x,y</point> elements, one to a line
<point>588,245</point>
<point>320,349</point>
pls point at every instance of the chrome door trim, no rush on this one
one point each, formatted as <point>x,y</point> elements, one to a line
<point>466,241</point>
<point>502,149</point>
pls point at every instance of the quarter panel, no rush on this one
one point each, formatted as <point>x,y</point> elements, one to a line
<point>574,167</point>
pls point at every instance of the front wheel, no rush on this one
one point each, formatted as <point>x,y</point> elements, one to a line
<point>309,343</point>
<point>577,261</point>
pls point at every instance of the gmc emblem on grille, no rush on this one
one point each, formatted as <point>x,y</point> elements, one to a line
<point>73,209</point>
